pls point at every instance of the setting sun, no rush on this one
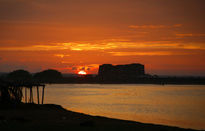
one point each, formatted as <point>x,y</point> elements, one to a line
<point>82,73</point>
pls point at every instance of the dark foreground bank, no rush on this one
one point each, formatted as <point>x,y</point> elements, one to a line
<point>54,117</point>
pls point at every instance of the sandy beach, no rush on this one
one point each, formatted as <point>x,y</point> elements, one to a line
<point>54,117</point>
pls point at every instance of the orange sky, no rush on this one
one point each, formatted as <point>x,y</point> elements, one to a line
<point>167,36</point>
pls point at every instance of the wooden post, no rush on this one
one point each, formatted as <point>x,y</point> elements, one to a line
<point>38,94</point>
<point>25,95</point>
<point>30,94</point>
<point>43,95</point>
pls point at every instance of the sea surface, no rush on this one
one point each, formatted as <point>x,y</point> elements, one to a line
<point>175,105</point>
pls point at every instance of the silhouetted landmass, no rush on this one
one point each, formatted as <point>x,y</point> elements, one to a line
<point>89,79</point>
<point>48,76</point>
<point>19,75</point>
<point>14,115</point>
<point>107,74</point>
<point>129,74</point>
<point>53,117</point>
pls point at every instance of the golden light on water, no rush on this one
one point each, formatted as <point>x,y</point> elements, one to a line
<point>175,105</point>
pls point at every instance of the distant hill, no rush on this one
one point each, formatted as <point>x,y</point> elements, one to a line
<point>49,75</point>
<point>74,75</point>
<point>69,75</point>
<point>3,73</point>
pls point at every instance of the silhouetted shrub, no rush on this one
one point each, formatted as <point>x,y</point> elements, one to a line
<point>9,94</point>
<point>19,75</point>
<point>49,75</point>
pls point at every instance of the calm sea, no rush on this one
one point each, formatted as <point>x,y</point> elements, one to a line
<point>175,105</point>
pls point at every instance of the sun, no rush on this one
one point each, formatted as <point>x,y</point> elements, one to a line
<point>82,73</point>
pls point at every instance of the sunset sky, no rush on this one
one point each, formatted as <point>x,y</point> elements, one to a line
<point>167,36</point>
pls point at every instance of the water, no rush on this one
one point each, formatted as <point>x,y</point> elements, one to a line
<point>175,105</point>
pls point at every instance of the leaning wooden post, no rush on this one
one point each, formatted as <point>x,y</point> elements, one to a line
<point>25,95</point>
<point>30,95</point>
<point>38,94</point>
<point>43,94</point>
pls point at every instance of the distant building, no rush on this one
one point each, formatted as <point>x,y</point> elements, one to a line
<point>129,72</point>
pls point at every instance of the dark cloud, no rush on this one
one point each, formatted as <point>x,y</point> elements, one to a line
<point>12,66</point>
<point>25,20</point>
<point>74,68</point>
<point>82,68</point>
<point>114,12</point>
<point>15,10</point>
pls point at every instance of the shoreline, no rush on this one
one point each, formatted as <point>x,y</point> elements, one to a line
<point>128,83</point>
<point>54,117</point>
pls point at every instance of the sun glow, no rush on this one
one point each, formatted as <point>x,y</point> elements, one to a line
<point>82,73</point>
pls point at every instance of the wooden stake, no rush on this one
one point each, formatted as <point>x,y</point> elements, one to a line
<point>30,94</point>
<point>43,94</point>
<point>25,95</point>
<point>38,94</point>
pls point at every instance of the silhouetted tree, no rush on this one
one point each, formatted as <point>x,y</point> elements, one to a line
<point>49,75</point>
<point>19,76</point>
<point>9,94</point>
